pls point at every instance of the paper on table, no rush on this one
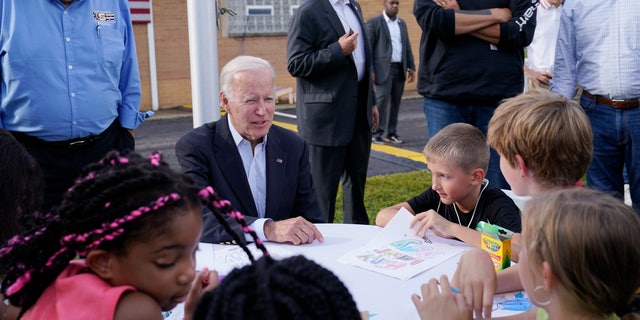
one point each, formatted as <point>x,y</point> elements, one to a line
<point>223,258</point>
<point>398,253</point>
<point>229,257</point>
<point>511,303</point>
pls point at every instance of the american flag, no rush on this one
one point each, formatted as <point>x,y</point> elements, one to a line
<point>140,11</point>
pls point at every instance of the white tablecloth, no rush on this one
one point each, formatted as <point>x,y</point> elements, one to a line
<point>382,296</point>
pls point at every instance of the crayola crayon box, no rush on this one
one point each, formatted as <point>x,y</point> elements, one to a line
<point>497,242</point>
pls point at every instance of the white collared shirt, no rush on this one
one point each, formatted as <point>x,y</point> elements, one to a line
<point>350,21</point>
<point>542,49</point>
<point>396,38</point>
<point>254,163</point>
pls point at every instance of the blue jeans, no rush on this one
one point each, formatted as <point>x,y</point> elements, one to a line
<point>439,114</point>
<point>616,146</point>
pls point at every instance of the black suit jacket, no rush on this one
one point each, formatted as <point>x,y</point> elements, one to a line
<point>380,39</point>
<point>209,155</point>
<point>327,84</point>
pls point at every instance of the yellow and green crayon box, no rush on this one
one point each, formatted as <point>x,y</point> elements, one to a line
<point>497,242</point>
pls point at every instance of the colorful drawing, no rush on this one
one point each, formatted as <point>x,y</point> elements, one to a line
<point>407,245</point>
<point>398,253</point>
<point>516,301</point>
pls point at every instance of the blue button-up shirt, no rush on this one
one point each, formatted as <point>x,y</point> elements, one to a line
<point>599,48</point>
<point>67,72</point>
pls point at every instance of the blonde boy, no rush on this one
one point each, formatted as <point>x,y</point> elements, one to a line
<point>459,196</point>
<point>545,143</point>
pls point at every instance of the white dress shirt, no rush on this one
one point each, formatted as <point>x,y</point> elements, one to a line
<point>350,21</point>
<point>542,49</point>
<point>254,163</point>
<point>396,38</point>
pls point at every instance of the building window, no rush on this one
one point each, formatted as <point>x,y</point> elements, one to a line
<point>258,17</point>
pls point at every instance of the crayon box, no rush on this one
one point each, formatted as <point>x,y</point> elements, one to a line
<point>497,242</point>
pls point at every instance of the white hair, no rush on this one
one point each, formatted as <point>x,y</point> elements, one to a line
<point>241,64</point>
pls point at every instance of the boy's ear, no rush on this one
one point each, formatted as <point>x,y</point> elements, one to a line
<point>520,164</point>
<point>477,176</point>
<point>101,263</point>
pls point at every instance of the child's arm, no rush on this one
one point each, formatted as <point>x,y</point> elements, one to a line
<point>137,305</point>
<point>431,220</point>
<point>441,302</point>
<point>385,215</point>
<point>478,282</point>
<point>509,280</point>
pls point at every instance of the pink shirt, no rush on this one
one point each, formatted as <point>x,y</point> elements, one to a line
<point>77,294</point>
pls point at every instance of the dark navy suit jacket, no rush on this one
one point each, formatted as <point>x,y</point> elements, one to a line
<point>209,155</point>
<point>380,39</point>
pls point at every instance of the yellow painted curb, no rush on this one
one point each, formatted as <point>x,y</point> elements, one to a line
<point>395,151</point>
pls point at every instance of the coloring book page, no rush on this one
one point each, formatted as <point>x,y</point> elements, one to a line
<point>229,257</point>
<point>398,253</point>
<point>223,258</point>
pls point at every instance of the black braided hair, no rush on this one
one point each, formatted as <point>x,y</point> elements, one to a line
<point>20,186</point>
<point>116,201</point>
<point>293,288</point>
<point>219,207</point>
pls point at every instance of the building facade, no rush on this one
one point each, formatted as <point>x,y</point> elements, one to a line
<point>258,29</point>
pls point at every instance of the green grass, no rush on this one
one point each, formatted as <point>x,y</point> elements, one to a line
<point>383,191</point>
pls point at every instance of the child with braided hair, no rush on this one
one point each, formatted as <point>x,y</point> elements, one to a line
<point>292,288</point>
<point>135,224</point>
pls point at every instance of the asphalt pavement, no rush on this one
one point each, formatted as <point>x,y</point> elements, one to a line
<point>163,131</point>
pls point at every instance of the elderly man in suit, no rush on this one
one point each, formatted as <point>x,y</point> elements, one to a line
<point>392,65</point>
<point>261,168</point>
<point>329,54</point>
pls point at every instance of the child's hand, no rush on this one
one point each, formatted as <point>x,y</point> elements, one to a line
<point>431,220</point>
<point>440,304</point>
<point>205,281</point>
<point>477,281</point>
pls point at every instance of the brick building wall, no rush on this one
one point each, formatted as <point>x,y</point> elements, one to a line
<point>172,50</point>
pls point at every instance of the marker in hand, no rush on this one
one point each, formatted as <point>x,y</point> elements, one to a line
<point>205,280</point>
<point>453,289</point>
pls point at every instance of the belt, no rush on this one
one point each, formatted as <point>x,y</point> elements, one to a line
<point>618,104</point>
<point>68,144</point>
